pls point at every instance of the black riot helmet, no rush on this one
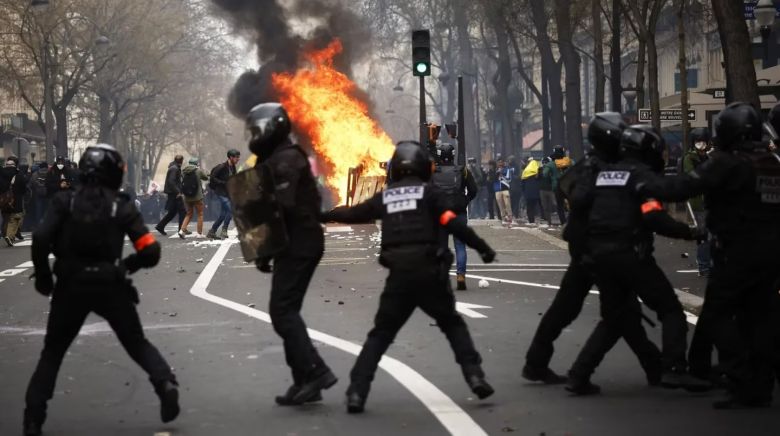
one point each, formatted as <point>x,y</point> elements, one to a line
<point>269,126</point>
<point>446,153</point>
<point>644,143</point>
<point>737,125</point>
<point>604,133</point>
<point>410,160</point>
<point>102,164</point>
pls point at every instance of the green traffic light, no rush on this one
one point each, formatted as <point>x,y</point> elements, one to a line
<point>421,67</point>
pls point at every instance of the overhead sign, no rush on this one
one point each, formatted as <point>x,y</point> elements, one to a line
<point>645,115</point>
<point>750,6</point>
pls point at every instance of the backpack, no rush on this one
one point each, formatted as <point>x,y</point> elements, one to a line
<point>7,201</point>
<point>189,184</point>
<point>39,184</point>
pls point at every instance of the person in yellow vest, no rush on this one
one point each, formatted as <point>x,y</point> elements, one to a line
<point>531,189</point>
<point>562,163</point>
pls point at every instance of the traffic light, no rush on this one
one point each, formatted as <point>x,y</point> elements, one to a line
<point>421,53</point>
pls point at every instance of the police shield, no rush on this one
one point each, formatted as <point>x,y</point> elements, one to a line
<point>257,214</point>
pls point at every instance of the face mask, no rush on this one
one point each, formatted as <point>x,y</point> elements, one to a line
<point>701,146</point>
<point>60,166</point>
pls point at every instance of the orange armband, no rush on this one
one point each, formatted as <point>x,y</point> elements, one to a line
<point>446,217</point>
<point>652,206</point>
<point>144,241</point>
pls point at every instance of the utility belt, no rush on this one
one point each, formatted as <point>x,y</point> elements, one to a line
<point>85,273</point>
<point>419,258</point>
<point>598,246</point>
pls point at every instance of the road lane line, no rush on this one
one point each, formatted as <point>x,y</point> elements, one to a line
<point>467,309</point>
<point>27,264</point>
<point>449,414</point>
<point>481,270</point>
<point>691,318</point>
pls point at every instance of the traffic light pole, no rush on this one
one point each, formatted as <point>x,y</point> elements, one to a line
<point>423,127</point>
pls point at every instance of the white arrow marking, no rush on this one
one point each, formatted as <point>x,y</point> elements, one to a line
<point>466,309</point>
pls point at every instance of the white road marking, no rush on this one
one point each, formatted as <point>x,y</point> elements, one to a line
<point>338,229</point>
<point>449,414</point>
<point>25,243</point>
<point>12,272</point>
<point>692,319</point>
<point>518,269</point>
<point>687,271</point>
<point>551,265</point>
<point>27,264</point>
<point>467,309</point>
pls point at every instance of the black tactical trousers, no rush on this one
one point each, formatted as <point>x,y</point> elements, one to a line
<point>738,317</point>
<point>67,314</point>
<point>174,205</point>
<point>622,276</point>
<point>604,338</point>
<point>290,281</point>
<point>402,294</point>
<point>565,308</point>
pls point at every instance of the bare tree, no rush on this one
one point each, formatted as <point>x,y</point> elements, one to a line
<point>735,40</point>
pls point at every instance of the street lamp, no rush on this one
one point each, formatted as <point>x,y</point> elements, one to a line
<point>765,12</point>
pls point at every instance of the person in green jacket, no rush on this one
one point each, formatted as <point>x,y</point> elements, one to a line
<point>697,155</point>
<point>192,189</point>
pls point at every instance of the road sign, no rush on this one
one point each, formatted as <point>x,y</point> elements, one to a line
<point>645,115</point>
<point>719,93</point>
<point>750,9</point>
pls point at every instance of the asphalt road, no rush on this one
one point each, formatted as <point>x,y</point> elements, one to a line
<point>206,310</point>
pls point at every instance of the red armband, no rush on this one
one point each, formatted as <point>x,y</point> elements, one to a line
<point>652,206</point>
<point>144,241</point>
<point>446,217</point>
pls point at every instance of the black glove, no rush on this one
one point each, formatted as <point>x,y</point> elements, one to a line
<point>44,284</point>
<point>264,265</point>
<point>132,263</point>
<point>488,256</point>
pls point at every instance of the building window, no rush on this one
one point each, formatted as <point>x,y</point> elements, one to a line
<point>693,79</point>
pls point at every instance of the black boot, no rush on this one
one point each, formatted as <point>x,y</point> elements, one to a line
<point>545,375</point>
<point>32,428</point>
<point>312,388</point>
<point>355,402</point>
<point>287,398</point>
<point>475,378</point>
<point>161,230</point>
<point>582,386</point>
<point>168,393</point>
<point>680,378</point>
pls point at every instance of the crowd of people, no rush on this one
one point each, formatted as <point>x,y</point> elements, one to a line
<point>26,191</point>
<point>521,191</point>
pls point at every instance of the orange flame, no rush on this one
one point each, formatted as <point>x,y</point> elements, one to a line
<point>322,105</point>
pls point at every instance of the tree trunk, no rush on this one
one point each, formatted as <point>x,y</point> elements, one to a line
<point>503,80</point>
<point>615,55</point>
<point>652,73</point>
<point>640,74</point>
<point>469,71</point>
<point>104,129</point>
<point>683,74</point>
<point>735,39</point>
<point>598,56</point>
<point>571,61</point>
<point>552,75</point>
<point>61,120</point>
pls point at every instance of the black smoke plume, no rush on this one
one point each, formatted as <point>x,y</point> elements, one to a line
<point>279,49</point>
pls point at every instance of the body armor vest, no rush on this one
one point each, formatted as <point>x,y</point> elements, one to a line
<point>406,215</point>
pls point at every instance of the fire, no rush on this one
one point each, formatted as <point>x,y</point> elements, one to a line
<point>322,105</point>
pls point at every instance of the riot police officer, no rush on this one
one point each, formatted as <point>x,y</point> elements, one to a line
<point>620,245</point>
<point>604,133</point>
<point>458,186</point>
<point>293,266</point>
<point>91,278</point>
<point>412,212</point>
<point>741,186</point>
